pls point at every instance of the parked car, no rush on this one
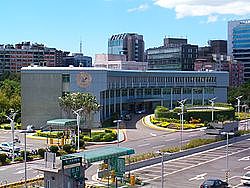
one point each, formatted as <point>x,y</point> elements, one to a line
<point>245,179</point>
<point>6,146</point>
<point>214,183</point>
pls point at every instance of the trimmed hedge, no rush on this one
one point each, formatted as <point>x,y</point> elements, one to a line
<point>204,115</point>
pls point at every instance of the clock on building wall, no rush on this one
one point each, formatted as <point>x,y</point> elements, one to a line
<point>83,79</point>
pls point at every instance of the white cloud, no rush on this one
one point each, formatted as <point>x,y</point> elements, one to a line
<point>212,18</point>
<point>142,7</point>
<point>210,8</point>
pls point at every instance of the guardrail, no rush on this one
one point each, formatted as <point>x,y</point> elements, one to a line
<point>20,183</point>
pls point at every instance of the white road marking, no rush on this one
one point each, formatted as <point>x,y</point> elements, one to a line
<point>198,177</point>
<point>160,146</point>
<point>153,134</point>
<point>192,166</point>
<point>246,168</point>
<point>244,158</point>
<point>170,140</point>
<point>144,145</point>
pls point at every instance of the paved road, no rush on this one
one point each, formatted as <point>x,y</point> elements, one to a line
<point>190,171</point>
<point>6,136</point>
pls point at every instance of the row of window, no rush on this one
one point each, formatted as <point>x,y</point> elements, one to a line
<point>154,91</point>
<point>114,81</point>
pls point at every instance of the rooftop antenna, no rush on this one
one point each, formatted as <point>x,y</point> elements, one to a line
<point>81,45</point>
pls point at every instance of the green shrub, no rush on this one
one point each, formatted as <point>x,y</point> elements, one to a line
<point>19,159</point>
<point>108,131</point>
<point>41,152</point>
<point>87,139</point>
<point>62,152</point>
<point>109,137</point>
<point>54,149</point>
<point>242,132</point>
<point>28,158</point>
<point>67,148</point>
<point>3,158</point>
<point>82,143</point>
<point>7,127</point>
<point>96,138</point>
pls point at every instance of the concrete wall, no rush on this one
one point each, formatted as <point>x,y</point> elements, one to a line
<point>40,94</point>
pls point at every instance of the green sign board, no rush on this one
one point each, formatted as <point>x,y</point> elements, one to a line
<point>120,167</point>
<point>69,161</point>
<point>75,172</point>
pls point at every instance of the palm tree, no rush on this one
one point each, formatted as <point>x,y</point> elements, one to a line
<point>86,101</point>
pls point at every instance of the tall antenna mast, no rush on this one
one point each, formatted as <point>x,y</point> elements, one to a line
<point>80,45</point>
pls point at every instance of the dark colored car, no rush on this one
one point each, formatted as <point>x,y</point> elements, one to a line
<point>214,183</point>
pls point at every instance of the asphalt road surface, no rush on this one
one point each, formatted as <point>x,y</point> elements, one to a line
<point>191,171</point>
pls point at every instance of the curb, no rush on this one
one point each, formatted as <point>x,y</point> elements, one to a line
<point>152,126</point>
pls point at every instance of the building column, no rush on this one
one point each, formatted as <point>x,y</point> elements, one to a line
<point>109,104</point>
<point>203,94</point>
<point>192,96</point>
<point>104,105</point>
<point>120,101</point>
<point>171,98</point>
<point>115,100</point>
<point>161,96</point>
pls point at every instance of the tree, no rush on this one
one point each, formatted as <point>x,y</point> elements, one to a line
<point>86,101</point>
<point>243,90</point>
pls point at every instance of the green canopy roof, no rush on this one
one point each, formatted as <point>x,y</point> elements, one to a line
<point>62,122</point>
<point>102,153</point>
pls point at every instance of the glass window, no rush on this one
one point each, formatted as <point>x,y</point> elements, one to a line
<point>65,78</point>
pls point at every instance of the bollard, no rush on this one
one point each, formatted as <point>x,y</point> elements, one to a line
<point>113,176</point>
<point>132,180</point>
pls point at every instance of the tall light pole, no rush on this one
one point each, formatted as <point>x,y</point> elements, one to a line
<point>227,166</point>
<point>182,119</point>
<point>118,121</point>
<point>78,118</point>
<point>162,154</point>
<point>238,100</point>
<point>12,125</point>
<point>212,102</point>
<point>29,129</point>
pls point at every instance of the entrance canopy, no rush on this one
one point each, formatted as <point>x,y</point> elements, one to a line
<point>102,153</point>
<point>62,123</point>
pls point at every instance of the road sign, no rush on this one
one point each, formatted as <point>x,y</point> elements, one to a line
<point>75,172</point>
<point>69,161</point>
<point>120,167</point>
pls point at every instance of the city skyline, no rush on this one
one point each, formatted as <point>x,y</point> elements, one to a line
<point>63,25</point>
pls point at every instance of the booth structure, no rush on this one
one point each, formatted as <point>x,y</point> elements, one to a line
<point>72,167</point>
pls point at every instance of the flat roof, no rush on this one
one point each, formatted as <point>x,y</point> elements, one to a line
<point>62,122</point>
<point>37,68</point>
<point>102,153</point>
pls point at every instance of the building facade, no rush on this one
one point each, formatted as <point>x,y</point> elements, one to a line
<point>118,91</point>
<point>239,43</point>
<point>172,58</point>
<point>129,44</point>
<point>14,57</point>
<point>77,60</point>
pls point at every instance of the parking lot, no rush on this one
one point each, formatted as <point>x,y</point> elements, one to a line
<point>191,171</point>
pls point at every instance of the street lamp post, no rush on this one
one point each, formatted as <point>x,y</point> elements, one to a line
<point>162,166</point>
<point>78,118</point>
<point>182,119</point>
<point>12,125</point>
<point>227,166</point>
<point>238,104</point>
<point>212,102</point>
<point>117,128</point>
<point>28,130</point>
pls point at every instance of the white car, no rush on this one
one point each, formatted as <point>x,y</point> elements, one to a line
<point>6,146</point>
<point>245,179</point>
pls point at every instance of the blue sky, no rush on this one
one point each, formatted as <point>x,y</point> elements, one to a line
<point>62,23</point>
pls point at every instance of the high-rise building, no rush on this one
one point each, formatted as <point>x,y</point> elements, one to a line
<point>176,54</point>
<point>239,43</point>
<point>77,60</point>
<point>129,44</point>
<point>218,46</point>
<point>14,57</point>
